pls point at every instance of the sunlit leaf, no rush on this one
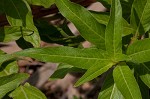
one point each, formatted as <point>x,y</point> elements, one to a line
<point>8,68</point>
<point>139,51</point>
<point>126,83</point>
<point>81,58</point>
<point>8,33</point>
<point>5,58</point>
<point>87,25</point>
<point>113,32</point>
<point>27,92</point>
<point>109,89</point>
<point>18,13</point>
<point>94,71</point>
<point>9,83</point>
<point>103,18</point>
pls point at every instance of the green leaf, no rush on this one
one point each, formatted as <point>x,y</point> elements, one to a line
<point>143,71</point>
<point>103,18</point>
<point>126,83</point>
<point>61,71</point>
<point>5,58</point>
<point>113,93</point>
<point>81,58</point>
<point>126,6</point>
<point>140,16</point>
<point>144,89</point>
<point>87,25</point>
<point>27,92</point>
<point>109,89</point>
<point>9,83</point>
<point>139,51</point>
<point>45,3</point>
<point>8,68</point>
<point>94,71</point>
<point>13,33</point>
<point>18,13</point>
<point>113,32</point>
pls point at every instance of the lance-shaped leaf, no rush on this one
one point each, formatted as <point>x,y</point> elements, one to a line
<point>8,68</point>
<point>109,89</point>
<point>126,83</point>
<point>5,58</point>
<point>103,18</point>
<point>7,65</point>
<point>45,3</point>
<point>143,71</point>
<point>111,93</point>
<point>27,92</point>
<point>139,51</point>
<point>9,83</point>
<point>144,89</point>
<point>87,25</point>
<point>140,16</point>
<point>61,71</point>
<point>126,6</point>
<point>82,58</point>
<point>18,13</point>
<point>94,71</point>
<point>113,33</point>
<point>8,33</point>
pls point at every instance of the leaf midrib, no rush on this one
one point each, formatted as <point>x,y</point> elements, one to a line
<point>83,21</point>
<point>139,24</point>
<point>110,64</point>
<point>112,92</point>
<point>114,29</point>
<point>126,83</point>
<point>24,92</point>
<point>139,52</point>
<point>72,57</point>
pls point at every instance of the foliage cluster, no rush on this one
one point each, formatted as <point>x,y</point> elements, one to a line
<point>120,46</point>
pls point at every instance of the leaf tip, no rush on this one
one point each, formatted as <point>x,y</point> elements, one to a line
<point>78,83</point>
